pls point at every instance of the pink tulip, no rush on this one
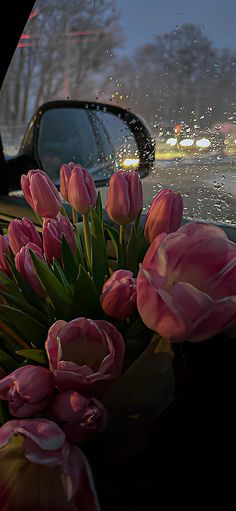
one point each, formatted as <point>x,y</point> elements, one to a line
<point>28,390</point>
<point>79,417</point>
<point>186,286</point>
<point>4,251</point>
<point>164,215</point>
<point>82,193</point>
<point>41,193</point>
<point>53,231</point>
<point>125,197</point>
<point>119,295</point>
<point>85,355</point>
<point>21,232</point>
<point>40,471</point>
<point>65,173</point>
<point>24,265</point>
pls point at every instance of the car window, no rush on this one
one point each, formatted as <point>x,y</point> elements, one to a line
<point>173,64</point>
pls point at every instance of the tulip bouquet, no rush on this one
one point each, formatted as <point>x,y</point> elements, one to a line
<point>88,315</point>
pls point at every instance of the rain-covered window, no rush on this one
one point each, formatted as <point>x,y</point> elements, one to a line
<point>171,63</point>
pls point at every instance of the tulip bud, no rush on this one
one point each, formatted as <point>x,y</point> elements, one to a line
<point>65,173</point>
<point>164,215</point>
<point>125,197</point>
<point>53,230</point>
<point>24,265</point>
<point>27,390</point>
<point>41,193</point>
<point>21,232</point>
<point>82,193</point>
<point>118,297</point>
<point>79,417</point>
<point>4,250</point>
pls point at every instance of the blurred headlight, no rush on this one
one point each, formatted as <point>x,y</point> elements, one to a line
<point>130,162</point>
<point>203,142</point>
<point>171,141</point>
<point>187,142</point>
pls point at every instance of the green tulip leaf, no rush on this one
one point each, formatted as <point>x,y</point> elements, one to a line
<point>98,207</point>
<point>39,356</point>
<point>69,265</point>
<point>9,284</point>
<point>7,362</point>
<point>142,246</point>
<point>20,303</point>
<point>80,253</point>
<point>131,253</point>
<point>10,336</point>
<point>58,271</point>
<point>58,295</point>
<point>27,291</point>
<point>29,328</point>
<point>114,236</point>
<point>99,254</point>
<point>137,221</point>
<point>86,300</point>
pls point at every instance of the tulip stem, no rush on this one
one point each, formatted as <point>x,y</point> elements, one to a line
<point>87,240</point>
<point>74,216</point>
<point>122,235</point>
<point>122,244</point>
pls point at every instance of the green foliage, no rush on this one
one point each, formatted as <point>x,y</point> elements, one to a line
<point>31,330</point>
<point>100,268</point>
<point>59,297</point>
<point>34,355</point>
<point>69,264</point>
<point>86,299</point>
<point>7,362</point>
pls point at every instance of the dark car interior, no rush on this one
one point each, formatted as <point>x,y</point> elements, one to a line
<point>190,455</point>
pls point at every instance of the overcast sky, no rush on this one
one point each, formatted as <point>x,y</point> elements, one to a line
<point>142,19</point>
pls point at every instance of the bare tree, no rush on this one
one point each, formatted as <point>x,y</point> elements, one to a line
<point>67,46</point>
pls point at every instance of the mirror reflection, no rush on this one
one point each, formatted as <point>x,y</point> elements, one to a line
<point>98,140</point>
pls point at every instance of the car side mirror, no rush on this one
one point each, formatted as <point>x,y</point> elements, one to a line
<point>103,138</point>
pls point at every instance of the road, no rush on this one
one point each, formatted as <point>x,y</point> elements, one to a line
<point>208,187</point>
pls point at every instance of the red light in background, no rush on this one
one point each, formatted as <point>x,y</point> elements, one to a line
<point>23,45</point>
<point>33,14</point>
<point>177,129</point>
<point>25,36</point>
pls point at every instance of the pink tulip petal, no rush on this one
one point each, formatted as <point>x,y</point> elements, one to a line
<point>218,318</point>
<point>118,201</point>
<point>164,214</point>
<point>159,312</point>
<point>46,434</point>
<point>51,205</point>
<point>26,189</point>
<point>52,347</point>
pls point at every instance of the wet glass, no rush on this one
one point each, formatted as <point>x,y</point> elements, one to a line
<point>173,64</point>
<point>97,140</point>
